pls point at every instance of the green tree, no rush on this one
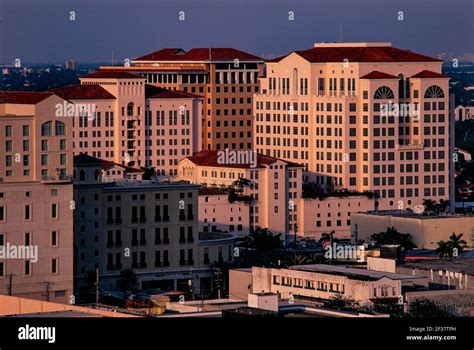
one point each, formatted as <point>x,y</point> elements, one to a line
<point>328,237</point>
<point>262,239</point>
<point>426,308</point>
<point>446,249</point>
<point>456,242</point>
<point>392,236</point>
<point>149,173</point>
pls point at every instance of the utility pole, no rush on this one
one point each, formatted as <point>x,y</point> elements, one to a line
<point>10,286</point>
<point>296,233</point>
<point>97,287</point>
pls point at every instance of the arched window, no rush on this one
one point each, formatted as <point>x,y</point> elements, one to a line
<point>295,81</point>
<point>383,93</point>
<point>130,109</point>
<point>82,175</point>
<point>60,129</point>
<point>46,128</point>
<point>434,91</point>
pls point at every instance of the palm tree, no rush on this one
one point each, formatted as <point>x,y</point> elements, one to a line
<point>241,183</point>
<point>429,204</point>
<point>444,250</point>
<point>456,242</point>
<point>328,237</point>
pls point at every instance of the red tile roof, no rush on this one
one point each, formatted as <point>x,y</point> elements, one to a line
<point>360,54</point>
<point>429,74</point>
<point>152,91</point>
<point>378,75</point>
<point>83,92</point>
<point>199,54</point>
<point>23,97</point>
<point>210,158</point>
<point>112,74</point>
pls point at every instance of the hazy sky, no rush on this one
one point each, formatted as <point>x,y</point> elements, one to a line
<point>41,30</point>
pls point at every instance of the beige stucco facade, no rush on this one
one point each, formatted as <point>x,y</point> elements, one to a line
<point>36,201</point>
<point>326,113</point>
<point>301,281</point>
<point>275,188</point>
<point>317,216</point>
<point>425,231</point>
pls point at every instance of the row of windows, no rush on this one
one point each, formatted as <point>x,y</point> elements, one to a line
<point>28,267</point>
<point>28,212</point>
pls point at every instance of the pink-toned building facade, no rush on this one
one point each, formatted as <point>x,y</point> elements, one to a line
<point>123,120</point>
<point>318,216</point>
<point>325,108</point>
<point>218,214</point>
<point>226,78</point>
<point>274,186</point>
<point>36,197</point>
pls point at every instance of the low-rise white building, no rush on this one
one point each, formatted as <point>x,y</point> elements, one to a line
<point>324,282</point>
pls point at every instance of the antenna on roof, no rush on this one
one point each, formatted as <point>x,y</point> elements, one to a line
<point>340,32</point>
<point>112,57</point>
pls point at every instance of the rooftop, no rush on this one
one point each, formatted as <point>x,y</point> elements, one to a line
<point>463,265</point>
<point>23,97</point>
<point>85,159</point>
<point>199,54</point>
<point>378,75</point>
<point>112,74</point>
<point>211,158</point>
<point>413,215</point>
<point>352,272</point>
<point>83,92</point>
<point>358,52</point>
<point>212,236</point>
<point>152,91</point>
<point>429,74</point>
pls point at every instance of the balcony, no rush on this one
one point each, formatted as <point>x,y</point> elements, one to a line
<point>157,241</point>
<point>143,265</point>
<point>134,242</point>
<point>166,263</point>
<point>182,262</point>
<point>143,242</point>
<point>134,220</point>
<point>166,241</point>
<point>110,244</point>
<point>190,217</point>
<point>118,221</point>
<point>118,266</point>
<point>166,218</point>
<point>409,147</point>
<point>157,218</point>
<point>182,240</point>
<point>157,263</point>
<point>182,218</point>
<point>110,221</point>
<point>118,243</point>
<point>58,178</point>
<point>190,239</point>
<point>143,219</point>
<point>191,262</point>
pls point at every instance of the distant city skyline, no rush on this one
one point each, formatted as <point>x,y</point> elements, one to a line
<point>43,32</point>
